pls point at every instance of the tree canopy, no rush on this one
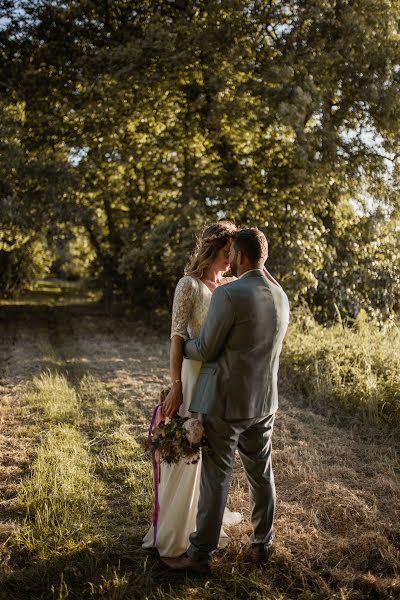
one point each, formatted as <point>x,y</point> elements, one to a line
<point>135,123</point>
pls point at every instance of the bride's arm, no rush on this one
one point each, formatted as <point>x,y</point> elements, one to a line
<point>176,358</point>
<point>181,312</point>
<point>175,398</point>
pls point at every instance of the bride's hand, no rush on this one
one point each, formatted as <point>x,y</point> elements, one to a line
<point>173,400</point>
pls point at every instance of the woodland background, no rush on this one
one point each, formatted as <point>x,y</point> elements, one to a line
<point>126,126</point>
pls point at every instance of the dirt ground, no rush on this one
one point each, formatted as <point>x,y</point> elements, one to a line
<point>338,480</point>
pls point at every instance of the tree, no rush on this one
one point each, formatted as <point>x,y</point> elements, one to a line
<point>171,114</point>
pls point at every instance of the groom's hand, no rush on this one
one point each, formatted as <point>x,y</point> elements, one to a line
<point>173,400</point>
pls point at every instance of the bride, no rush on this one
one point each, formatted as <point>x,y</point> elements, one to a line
<point>180,483</point>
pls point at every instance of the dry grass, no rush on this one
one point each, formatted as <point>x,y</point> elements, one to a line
<point>338,483</point>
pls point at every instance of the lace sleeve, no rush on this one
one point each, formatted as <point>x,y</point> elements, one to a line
<point>182,306</point>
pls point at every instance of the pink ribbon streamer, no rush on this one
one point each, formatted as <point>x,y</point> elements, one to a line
<point>158,415</point>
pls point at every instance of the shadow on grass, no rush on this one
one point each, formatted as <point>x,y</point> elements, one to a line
<point>131,573</point>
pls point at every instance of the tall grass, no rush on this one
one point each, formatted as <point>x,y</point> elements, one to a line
<point>121,456</point>
<point>120,460</point>
<point>114,585</point>
<point>100,411</point>
<point>359,368</point>
<point>57,400</point>
<point>61,492</point>
<point>60,495</point>
<point>89,479</point>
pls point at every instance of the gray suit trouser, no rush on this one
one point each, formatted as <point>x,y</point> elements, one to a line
<point>252,438</point>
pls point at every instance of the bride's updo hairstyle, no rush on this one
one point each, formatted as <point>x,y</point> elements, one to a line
<point>212,239</point>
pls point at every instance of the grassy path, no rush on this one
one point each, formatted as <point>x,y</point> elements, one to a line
<point>77,389</point>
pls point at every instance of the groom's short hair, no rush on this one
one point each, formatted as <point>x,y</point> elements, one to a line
<point>252,243</point>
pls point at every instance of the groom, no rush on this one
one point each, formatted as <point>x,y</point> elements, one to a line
<point>237,394</point>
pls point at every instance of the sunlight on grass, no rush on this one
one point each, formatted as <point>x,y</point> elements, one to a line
<point>88,497</point>
<point>52,394</point>
<point>60,495</point>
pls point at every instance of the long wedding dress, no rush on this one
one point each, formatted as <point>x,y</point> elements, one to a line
<point>180,483</point>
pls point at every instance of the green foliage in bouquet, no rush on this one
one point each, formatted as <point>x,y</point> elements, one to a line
<point>180,438</point>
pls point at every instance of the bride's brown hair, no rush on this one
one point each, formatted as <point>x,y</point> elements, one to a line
<point>212,239</point>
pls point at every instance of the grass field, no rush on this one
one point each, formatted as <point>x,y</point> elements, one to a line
<point>356,369</point>
<point>77,390</point>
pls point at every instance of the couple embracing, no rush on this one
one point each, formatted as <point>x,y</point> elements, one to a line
<point>226,337</point>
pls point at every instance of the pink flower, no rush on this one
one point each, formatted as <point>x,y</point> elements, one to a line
<point>194,431</point>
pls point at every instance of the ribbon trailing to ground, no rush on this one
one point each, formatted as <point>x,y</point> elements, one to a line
<point>158,416</point>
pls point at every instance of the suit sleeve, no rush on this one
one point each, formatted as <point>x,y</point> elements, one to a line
<point>220,318</point>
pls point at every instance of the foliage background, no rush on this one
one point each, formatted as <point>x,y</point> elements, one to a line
<point>126,126</point>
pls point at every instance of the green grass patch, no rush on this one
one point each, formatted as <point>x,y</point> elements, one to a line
<point>57,400</point>
<point>100,411</point>
<point>359,368</point>
<point>60,495</point>
<point>120,461</point>
<point>130,468</point>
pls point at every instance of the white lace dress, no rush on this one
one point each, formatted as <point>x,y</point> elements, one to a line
<point>180,483</point>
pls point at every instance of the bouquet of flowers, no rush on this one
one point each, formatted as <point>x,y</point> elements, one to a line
<point>178,438</point>
<point>171,440</point>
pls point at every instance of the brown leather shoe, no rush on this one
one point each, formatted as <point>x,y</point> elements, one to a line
<point>259,557</point>
<point>184,563</point>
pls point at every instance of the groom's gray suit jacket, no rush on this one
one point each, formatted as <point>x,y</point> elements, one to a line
<point>239,344</point>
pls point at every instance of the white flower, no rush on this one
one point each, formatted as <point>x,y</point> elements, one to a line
<point>194,431</point>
